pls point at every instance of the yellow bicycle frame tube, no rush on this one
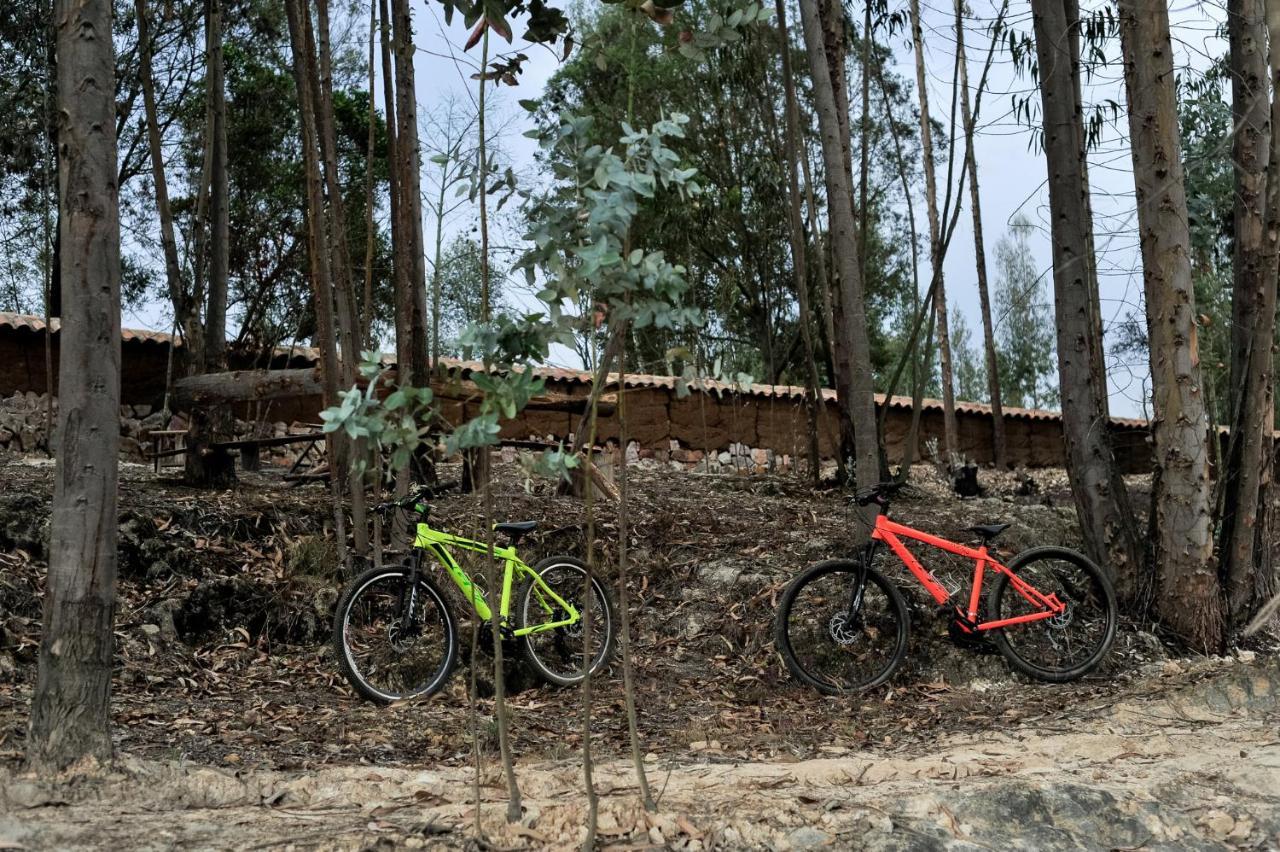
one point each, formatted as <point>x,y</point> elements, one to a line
<point>437,543</point>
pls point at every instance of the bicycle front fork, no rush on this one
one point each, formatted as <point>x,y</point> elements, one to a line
<point>409,592</point>
<point>860,584</point>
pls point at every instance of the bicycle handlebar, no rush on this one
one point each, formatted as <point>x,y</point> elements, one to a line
<point>422,493</point>
<point>880,493</point>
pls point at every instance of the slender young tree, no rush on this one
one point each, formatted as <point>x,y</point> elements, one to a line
<point>172,267</point>
<point>1245,520</point>
<point>486,482</point>
<point>318,247</point>
<point>860,401</point>
<point>950,437</point>
<point>1102,501</point>
<point>348,322</point>
<point>70,705</point>
<point>1000,451</point>
<point>205,465</point>
<point>800,275</point>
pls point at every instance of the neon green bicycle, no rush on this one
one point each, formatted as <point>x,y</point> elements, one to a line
<point>395,636</point>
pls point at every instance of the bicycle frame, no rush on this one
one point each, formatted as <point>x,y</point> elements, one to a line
<point>892,533</point>
<point>437,544</point>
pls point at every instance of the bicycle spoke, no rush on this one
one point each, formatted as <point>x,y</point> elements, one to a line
<point>1064,642</point>
<point>837,649</point>
<point>561,651</point>
<point>395,652</point>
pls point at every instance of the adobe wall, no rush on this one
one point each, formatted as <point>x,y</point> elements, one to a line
<point>658,421</point>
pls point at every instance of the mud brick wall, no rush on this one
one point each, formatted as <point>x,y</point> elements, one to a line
<point>709,422</point>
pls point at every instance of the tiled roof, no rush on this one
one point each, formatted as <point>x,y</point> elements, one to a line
<point>634,380</point>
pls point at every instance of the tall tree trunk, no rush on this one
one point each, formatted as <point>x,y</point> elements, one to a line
<point>205,465</point>
<point>1097,359</point>
<point>409,175</point>
<point>343,277</point>
<point>834,43</point>
<point>1245,555</point>
<point>366,306</point>
<point>980,253</point>
<point>798,249</point>
<point>950,437</point>
<point>1102,502</point>
<point>70,706</point>
<point>219,233</point>
<point>317,245</point>
<point>1188,597</point>
<point>860,402</point>
<point>172,268</point>
<point>400,272</point>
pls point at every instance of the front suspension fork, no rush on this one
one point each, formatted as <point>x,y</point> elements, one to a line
<point>409,593</point>
<point>860,584</point>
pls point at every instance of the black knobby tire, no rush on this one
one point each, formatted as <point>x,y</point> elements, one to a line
<point>557,655</point>
<point>1061,649</point>
<point>365,624</point>
<point>818,646</point>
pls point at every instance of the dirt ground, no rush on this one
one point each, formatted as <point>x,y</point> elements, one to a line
<point>235,730</point>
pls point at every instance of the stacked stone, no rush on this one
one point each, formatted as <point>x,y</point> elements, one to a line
<point>737,458</point>
<point>22,423</point>
<point>22,430</point>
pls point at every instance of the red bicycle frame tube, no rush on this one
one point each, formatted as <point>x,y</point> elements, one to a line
<point>889,531</point>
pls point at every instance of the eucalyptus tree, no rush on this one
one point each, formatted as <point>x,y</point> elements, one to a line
<point>70,705</point>
<point>1246,522</point>
<point>857,399</point>
<point>1187,599</point>
<point>991,362</point>
<point>936,251</point>
<point>1024,320</point>
<point>1102,501</point>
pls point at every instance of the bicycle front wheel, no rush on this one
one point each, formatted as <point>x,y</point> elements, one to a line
<point>831,649</point>
<point>1066,646</point>
<point>392,642</point>
<point>558,654</point>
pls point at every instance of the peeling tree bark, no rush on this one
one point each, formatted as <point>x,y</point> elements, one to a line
<point>70,706</point>
<point>1102,503</point>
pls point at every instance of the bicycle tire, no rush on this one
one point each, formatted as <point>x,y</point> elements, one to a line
<point>532,645</point>
<point>347,664</point>
<point>894,609</point>
<point>1103,594</point>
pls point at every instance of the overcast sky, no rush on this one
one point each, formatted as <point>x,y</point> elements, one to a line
<point>1012,174</point>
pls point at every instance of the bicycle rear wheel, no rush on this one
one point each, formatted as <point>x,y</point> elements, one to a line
<point>558,654</point>
<point>387,650</point>
<point>1069,645</point>
<point>827,648</point>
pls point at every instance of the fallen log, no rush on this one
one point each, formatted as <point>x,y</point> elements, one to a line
<point>245,386</point>
<point>213,389</point>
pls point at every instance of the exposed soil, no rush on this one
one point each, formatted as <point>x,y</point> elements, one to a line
<point>237,730</point>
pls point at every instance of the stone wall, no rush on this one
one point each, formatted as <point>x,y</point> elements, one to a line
<point>22,430</point>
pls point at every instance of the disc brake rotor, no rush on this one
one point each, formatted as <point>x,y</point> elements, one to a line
<point>841,631</point>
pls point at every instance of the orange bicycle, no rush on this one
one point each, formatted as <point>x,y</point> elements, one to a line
<point>842,626</point>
